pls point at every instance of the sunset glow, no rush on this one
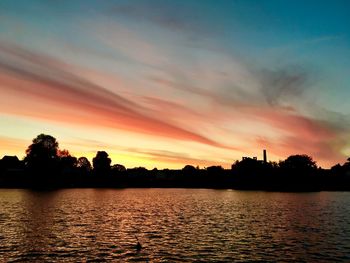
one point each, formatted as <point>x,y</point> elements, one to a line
<point>169,83</point>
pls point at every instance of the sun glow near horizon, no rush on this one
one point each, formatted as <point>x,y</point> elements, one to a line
<point>196,82</point>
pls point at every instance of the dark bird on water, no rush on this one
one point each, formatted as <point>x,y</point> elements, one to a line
<point>138,245</point>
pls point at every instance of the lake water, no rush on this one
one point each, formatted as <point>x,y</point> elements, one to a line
<point>173,225</point>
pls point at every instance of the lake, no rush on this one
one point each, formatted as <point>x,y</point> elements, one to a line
<point>173,225</point>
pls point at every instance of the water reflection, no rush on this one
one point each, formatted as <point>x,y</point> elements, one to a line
<point>177,225</point>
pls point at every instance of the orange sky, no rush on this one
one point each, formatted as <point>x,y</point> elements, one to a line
<point>162,95</point>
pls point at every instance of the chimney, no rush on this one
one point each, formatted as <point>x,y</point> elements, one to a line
<point>265,156</point>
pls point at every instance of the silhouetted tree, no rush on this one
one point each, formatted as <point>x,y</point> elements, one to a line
<point>249,167</point>
<point>341,170</point>
<point>41,155</point>
<point>118,168</point>
<point>51,167</point>
<point>215,169</point>
<point>346,165</point>
<point>299,173</point>
<point>189,170</point>
<point>84,164</point>
<point>337,169</point>
<point>339,178</point>
<point>250,173</point>
<point>301,163</point>
<point>11,162</point>
<point>63,153</point>
<point>101,163</point>
<point>67,162</point>
<point>42,162</point>
<point>139,170</point>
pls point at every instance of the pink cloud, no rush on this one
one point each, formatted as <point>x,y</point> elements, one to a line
<point>49,81</point>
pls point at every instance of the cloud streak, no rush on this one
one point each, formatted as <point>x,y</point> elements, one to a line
<point>32,74</point>
<point>166,78</point>
<point>279,84</point>
<point>267,97</point>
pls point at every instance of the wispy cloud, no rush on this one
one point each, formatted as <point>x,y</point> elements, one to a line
<point>282,84</point>
<point>33,74</point>
<point>11,145</point>
<point>170,70</point>
<point>176,157</point>
<point>268,97</point>
<point>185,17</point>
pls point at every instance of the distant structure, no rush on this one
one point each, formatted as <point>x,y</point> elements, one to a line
<point>246,158</point>
<point>265,156</point>
<point>256,158</point>
<point>11,165</point>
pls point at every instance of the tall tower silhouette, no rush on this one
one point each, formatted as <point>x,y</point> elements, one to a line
<point>265,156</point>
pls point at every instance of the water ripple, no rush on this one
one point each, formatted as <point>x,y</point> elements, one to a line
<point>173,225</point>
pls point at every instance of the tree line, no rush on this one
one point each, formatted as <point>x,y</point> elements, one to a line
<point>46,166</point>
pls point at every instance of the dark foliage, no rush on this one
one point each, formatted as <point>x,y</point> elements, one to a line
<point>41,155</point>
<point>84,165</point>
<point>102,163</point>
<point>46,166</point>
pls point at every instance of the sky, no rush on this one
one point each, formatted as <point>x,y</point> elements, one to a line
<point>165,83</point>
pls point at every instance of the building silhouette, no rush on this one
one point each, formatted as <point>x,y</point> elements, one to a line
<point>264,160</point>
